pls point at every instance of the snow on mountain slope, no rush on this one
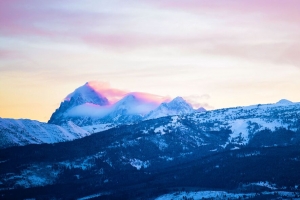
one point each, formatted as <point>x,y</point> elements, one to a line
<point>89,109</point>
<point>244,122</point>
<point>177,106</point>
<point>19,132</point>
<point>98,127</point>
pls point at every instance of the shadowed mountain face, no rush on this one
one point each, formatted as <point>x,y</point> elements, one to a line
<point>246,150</point>
<point>82,95</point>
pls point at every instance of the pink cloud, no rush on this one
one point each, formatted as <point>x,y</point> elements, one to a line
<point>114,95</point>
<point>111,40</point>
<point>287,10</point>
<point>16,20</point>
<point>151,97</point>
<point>198,101</point>
<point>41,18</point>
<point>104,88</point>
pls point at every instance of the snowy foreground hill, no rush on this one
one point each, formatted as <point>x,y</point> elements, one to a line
<point>19,132</point>
<point>244,152</point>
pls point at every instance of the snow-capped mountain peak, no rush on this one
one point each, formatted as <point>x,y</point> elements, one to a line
<point>284,102</point>
<point>179,102</point>
<point>133,104</point>
<point>128,100</point>
<point>177,106</point>
<point>86,94</point>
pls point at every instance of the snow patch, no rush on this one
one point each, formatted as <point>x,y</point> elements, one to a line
<point>160,130</point>
<point>166,158</point>
<point>94,196</point>
<point>239,129</point>
<point>265,184</point>
<point>98,128</point>
<point>138,164</point>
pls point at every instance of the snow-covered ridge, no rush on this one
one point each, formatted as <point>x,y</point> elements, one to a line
<point>244,122</point>
<point>19,132</point>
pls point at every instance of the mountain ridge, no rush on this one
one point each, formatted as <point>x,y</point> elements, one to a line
<point>235,117</point>
<point>20,132</point>
<point>133,107</point>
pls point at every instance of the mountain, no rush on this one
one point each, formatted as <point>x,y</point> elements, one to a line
<point>82,95</point>
<point>19,132</point>
<point>87,107</point>
<point>238,152</point>
<point>132,108</point>
<point>177,106</point>
<point>284,102</point>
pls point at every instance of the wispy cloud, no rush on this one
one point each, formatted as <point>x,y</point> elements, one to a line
<point>114,94</point>
<point>198,101</point>
<point>214,27</point>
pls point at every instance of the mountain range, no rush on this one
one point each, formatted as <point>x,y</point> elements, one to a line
<point>85,106</point>
<point>137,148</point>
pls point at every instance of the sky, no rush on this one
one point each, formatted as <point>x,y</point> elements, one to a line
<point>216,54</point>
